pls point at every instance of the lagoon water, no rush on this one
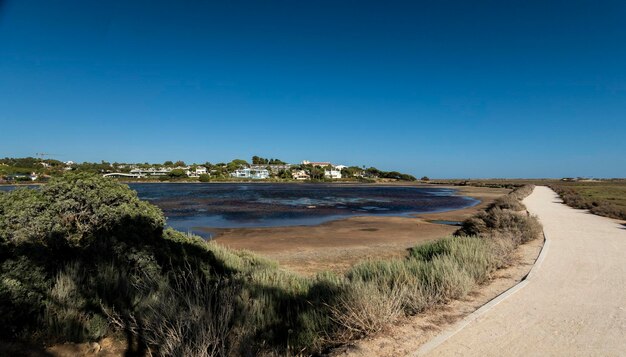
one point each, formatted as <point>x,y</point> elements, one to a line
<point>191,206</point>
<point>234,205</point>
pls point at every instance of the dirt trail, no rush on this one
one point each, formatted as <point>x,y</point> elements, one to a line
<point>574,304</point>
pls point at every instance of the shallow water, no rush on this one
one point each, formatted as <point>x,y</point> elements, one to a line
<point>189,206</point>
<point>233,205</point>
<point>447,223</point>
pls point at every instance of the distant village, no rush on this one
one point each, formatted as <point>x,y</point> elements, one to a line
<point>306,170</point>
<point>40,169</point>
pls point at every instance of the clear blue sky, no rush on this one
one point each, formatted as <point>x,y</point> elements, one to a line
<point>438,88</point>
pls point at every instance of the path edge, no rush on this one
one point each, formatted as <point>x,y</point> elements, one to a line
<point>457,327</point>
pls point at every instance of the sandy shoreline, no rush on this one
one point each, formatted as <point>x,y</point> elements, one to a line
<point>337,245</point>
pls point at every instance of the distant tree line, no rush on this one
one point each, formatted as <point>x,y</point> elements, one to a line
<point>256,160</point>
<point>389,174</point>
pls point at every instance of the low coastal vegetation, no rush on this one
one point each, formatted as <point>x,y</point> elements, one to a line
<point>82,258</point>
<point>604,197</point>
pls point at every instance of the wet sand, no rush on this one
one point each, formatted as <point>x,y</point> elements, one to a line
<point>337,245</point>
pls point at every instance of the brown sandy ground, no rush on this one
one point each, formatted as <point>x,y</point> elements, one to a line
<point>337,245</point>
<point>404,338</point>
<point>107,347</point>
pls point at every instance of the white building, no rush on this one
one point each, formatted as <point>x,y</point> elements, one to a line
<point>161,171</point>
<point>317,163</point>
<point>164,171</point>
<point>273,168</point>
<point>255,174</point>
<point>123,175</point>
<point>199,170</point>
<point>332,174</point>
<point>300,175</point>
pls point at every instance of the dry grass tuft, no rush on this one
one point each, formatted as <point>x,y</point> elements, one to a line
<point>189,317</point>
<point>365,308</point>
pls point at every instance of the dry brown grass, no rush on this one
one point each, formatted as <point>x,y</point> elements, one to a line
<point>190,317</point>
<point>364,309</point>
<point>377,292</point>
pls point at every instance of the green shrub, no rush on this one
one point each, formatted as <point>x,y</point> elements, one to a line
<point>444,279</point>
<point>76,210</point>
<point>509,202</point>
<point>23,285</point>
<point>474,255</point>
<point>522,192</point>
<point>55,239</point>
<point>503,219</point>
<point>185,316</point>
<point>365,308</point>
<point>69,308</point>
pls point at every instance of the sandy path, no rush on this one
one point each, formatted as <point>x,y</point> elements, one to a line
<point>575,302</point>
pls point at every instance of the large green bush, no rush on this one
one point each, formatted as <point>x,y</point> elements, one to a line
<point>54,241</point>
<point>75,210</point>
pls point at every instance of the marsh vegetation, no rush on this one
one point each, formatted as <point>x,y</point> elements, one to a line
<point>604,197</point>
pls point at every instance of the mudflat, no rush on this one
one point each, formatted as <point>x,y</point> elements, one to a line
<point>337,245</point>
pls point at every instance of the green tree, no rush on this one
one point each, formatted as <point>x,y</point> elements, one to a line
<point>236,165</point>
<point>317,173</point>
<point>177,173</point>
<point>284,174</point>
<point>277,162</point>
<point>374,172</point>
